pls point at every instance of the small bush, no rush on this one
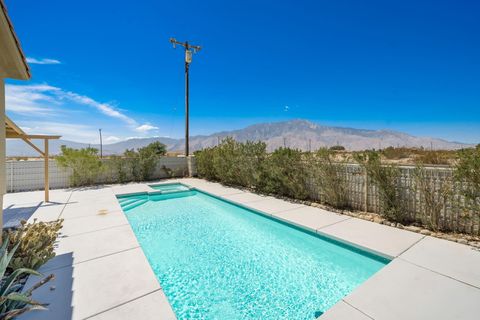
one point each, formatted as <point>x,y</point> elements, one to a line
<point>434,197</point>
<point>385,177</point>
<point>467,170</point>
<point>118,166</point>
<point>284,173</point>
<point>35,243</point>
<point>141,164</point>
<point>329,177</point>
<point>84,163</point>
<point>204,161</point>
<point>148,157</point>
<point>433,157</point>
<point>392,153</point>
<point>337,148</point>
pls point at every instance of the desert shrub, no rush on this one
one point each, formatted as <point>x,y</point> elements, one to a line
<point>434,195</point>
<point>249,162</point>
<point>132,164</point>
<point>148,157</point>
<point>337,148</point>
<point>285,173</point>
<point>84,163</point>
<point>13,300</point>
<point>118,165</point>
<point>433,157</point>
<point>232,162</point>
<point>204,161</point>
<point>467,172</point>
<point>328,174</point>
<point>224,161</point>
<point>140,164</point>
<point>392,153</point>
<point>35,243</point>
<point>385,178</point>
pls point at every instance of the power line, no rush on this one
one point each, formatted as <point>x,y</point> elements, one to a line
<point>188,59</point>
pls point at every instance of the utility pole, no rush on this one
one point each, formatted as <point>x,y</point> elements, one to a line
<point>188,59</point>
<point>101,146</point>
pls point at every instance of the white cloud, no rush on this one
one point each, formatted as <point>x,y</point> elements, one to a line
<point>52,110</point>
<point>145,128</point>
<point>104,108</point>
<point>30,98</point>
<point>68,131</point>
<point>112,139</point>
<point>42,61</point>
<point>41,98</point>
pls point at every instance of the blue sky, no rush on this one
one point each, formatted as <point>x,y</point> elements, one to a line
<point>412,66</point>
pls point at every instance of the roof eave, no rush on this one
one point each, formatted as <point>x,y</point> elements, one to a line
<point>16,63</point>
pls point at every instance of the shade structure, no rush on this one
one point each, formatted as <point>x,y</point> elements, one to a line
<point>12,131</point>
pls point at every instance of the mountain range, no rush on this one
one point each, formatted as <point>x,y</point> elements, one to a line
<point>301,134</point>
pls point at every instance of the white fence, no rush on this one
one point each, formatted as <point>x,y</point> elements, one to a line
<point>29,175</point>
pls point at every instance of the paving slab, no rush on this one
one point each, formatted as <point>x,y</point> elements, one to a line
<point>47,212</point>
<point>153,306</point>
<point>448,258</point>
<point>28,197</point>
<point>402,291</point>
<point>219,190</point>
<point>58,293</point>
<point>93,223</point>
<point>107,282</point>
<point>98,285</point>
<point>212,187</point>
<point>91,193</point>
<point>273,205</point>
<point>91,208</point>
<point>246,197</point>
<point>131,188</point>
<point>384,240</point>
<point>343,311</point>
<point>92,245</point>
<point>310,217</point>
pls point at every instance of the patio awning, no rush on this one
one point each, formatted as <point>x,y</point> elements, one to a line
<point>12,131</point>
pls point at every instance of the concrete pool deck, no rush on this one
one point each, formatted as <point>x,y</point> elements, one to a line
<point>102,273</point>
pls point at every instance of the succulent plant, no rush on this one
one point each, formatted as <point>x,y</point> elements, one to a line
<point>35,242</point>
<point>13,302</point>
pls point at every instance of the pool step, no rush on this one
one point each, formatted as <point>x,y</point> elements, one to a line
<point>126,201</point>
<point>133,204</point>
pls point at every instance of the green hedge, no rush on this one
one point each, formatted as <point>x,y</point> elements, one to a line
<point>285,172</point>
<point>320,176</point>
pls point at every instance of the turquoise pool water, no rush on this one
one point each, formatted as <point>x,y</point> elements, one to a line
<point>216,260</point>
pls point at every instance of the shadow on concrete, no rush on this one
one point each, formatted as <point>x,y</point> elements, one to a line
<point>12,215</point>
<point>57,293</point>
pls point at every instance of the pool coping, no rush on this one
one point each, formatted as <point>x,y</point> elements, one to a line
<point>392,293</point>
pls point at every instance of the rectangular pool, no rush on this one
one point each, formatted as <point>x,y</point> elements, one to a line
<point>217,260</point>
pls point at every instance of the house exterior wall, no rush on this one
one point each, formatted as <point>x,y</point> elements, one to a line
<point>2,148</point>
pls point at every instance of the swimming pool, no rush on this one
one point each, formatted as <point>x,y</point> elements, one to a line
<point>217,260</point>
